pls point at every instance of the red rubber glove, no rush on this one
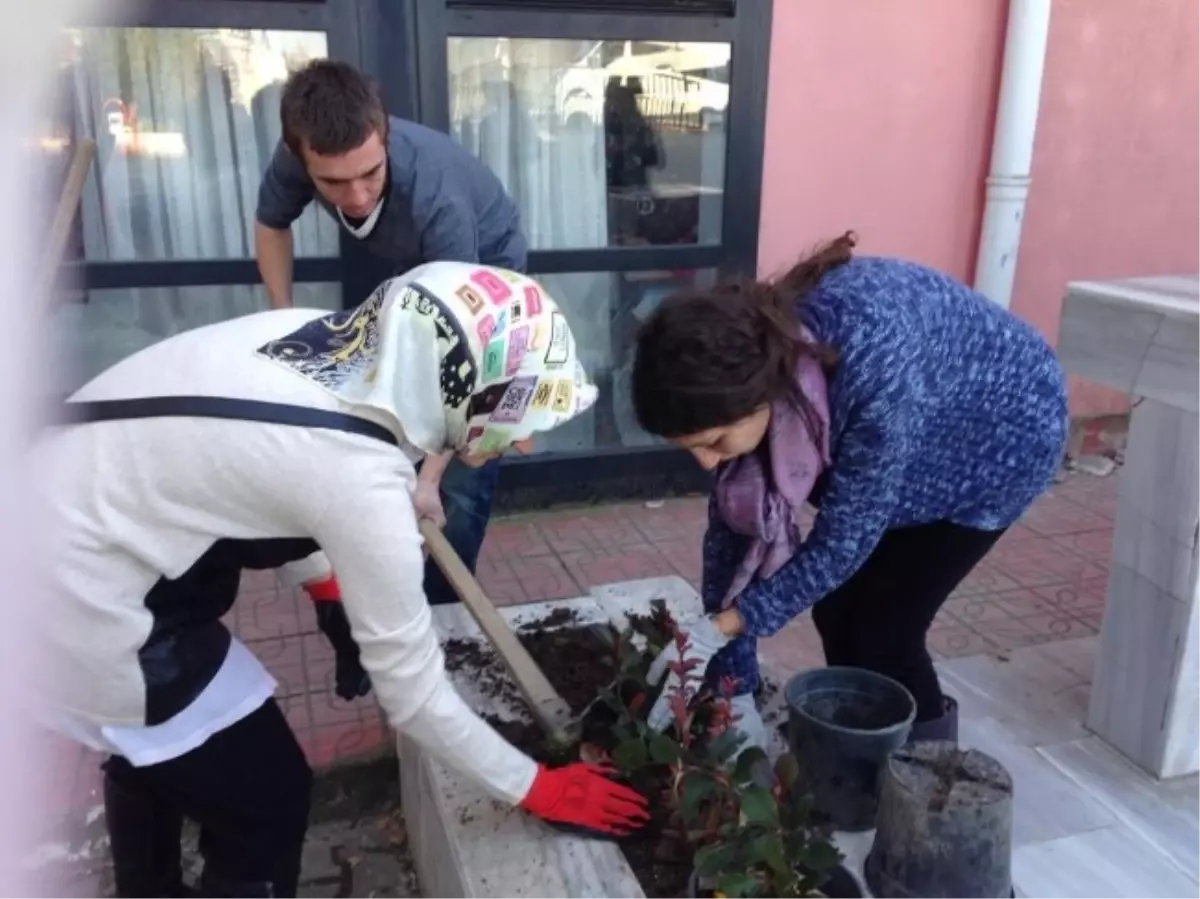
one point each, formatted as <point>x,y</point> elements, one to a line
<point>582,795</point>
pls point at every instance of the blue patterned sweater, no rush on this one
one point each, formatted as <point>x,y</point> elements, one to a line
<point>943,407</point>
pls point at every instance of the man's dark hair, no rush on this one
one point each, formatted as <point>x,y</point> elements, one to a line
<point>331,108</point>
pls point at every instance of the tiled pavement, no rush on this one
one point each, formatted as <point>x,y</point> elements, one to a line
<point>1044,581</point>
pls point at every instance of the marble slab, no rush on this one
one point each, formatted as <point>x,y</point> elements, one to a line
<point>1146,695</point>
<point>1112,861</point>
<point>1140,336</point>
<point>1165,816</point>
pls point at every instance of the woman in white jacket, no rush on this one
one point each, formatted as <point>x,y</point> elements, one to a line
<point>251,444</point>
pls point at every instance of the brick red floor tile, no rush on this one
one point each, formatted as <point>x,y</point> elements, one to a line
<point>514,538</point>
<point>601,529</point>
<point>544,577</point>
<point>1038,563</point>
<point>591,569</point>
<point>271,613</point>
<point>1096,495</point>
<point>1007,633</point>
<point>955,642</point>
<point>985,579</point>
<point>1093,545</point>
<point>684,556</point>
<point>974,610</point>
<point>1061,626</point>
<point>335,743</point>
<point>676,519</point>
<point>1086,596</point>
<point>1053,515</point>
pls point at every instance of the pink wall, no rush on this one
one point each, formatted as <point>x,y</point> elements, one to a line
<point>880,120</point>
<point>1116,169</point>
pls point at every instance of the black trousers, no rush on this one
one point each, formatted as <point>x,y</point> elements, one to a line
<point>879,619</point>
<point>248,787</point>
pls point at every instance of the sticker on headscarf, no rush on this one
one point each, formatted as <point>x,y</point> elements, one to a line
<point>560,340</point>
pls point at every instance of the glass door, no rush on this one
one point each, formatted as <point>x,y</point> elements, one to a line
<point>630,137</point>
<point>182,101</point>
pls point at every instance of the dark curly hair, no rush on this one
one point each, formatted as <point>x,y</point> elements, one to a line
<point>709,357</point>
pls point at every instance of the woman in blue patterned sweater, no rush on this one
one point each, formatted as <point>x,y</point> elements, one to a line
<point>920,419</point>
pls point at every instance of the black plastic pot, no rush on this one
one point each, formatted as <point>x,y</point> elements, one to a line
<point>840,885</point>
<point>842,724</point>
<point>944,827</point>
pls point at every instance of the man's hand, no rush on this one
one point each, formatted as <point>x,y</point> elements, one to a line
<point>582,795</point>
<point>427,495</point>
<point>703,641</point>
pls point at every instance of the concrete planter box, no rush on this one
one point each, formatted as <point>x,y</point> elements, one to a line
<point>466,844</point>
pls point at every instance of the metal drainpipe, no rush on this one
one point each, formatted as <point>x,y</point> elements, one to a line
<point>1012,148</point>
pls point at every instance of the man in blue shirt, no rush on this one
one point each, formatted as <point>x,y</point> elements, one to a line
<point>409,194</point>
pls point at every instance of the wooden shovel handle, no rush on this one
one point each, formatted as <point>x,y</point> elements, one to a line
<point>551,710</point>
<point>64,214</point>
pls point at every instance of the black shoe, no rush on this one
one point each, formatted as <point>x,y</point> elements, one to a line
<point>943,728</point>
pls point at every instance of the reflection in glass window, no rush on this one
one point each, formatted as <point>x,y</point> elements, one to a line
<point>601,143</point>
<point>99,328</point>
<point>605,310</point>
<point>185,121</point>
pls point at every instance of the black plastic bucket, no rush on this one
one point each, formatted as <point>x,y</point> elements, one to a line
<point>842,724</point>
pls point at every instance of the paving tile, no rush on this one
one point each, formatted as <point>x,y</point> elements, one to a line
<point>985,578</point>
<point>1039,563</point>
<point>795,648</point>
<point>675,519</point>
<point>955,642</point>
<point>333,744</point>
<point>1053,515</point>
<point>1094,545</point>
<point>593,568</point>
<point>274,613</point>
<point>684,556</point>
<point>506,539</point>
<point>597,529</point>
<point>544,577</point>
<point>1084,596</point>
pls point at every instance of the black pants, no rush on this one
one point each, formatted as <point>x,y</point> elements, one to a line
<point>248,787</point>
<point>879,619</point>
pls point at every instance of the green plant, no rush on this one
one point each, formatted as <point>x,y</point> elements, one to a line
<point>745,823</point>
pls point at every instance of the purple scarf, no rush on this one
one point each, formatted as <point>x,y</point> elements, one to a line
<point>745,498</point>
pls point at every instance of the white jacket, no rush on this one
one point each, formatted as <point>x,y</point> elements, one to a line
<point>136,503</point>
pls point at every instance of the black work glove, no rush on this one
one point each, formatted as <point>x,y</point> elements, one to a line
<point>350,678</point>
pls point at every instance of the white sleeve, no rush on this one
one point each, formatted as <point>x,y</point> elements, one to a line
<point>303,571</point>
<point>369,531</point>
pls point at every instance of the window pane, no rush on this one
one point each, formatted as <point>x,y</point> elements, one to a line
<point>605,310</point>
<point>99,328</point>
<point>185,121</point>
<point>601,143</point>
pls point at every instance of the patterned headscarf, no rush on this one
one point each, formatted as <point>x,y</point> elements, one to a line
<point>462,356</point>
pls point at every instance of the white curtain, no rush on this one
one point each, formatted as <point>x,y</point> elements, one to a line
<point>511,103</point>
<point>185,121</point>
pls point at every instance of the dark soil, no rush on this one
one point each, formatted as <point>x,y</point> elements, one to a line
<point>578,662</point>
